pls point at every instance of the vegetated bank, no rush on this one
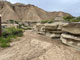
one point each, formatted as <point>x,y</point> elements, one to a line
<point>71,19</point>
<point>8,34</point>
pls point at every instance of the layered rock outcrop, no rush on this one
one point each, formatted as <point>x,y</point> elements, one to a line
<point>71,34</point>
<point>68,33</point>
<point>53,30</point>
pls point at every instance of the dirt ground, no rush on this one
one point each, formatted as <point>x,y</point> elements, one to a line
<point>37,47</point>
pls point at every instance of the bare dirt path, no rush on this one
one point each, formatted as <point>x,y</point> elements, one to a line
<point>35,47</point>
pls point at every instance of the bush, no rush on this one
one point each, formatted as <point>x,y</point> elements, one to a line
<point>4,42</point>
<point>12,31</point>
<point>68,17</point>
<point>72,19</point>
<point>3,45</point>
<point>8,34</point>
<point>13,21</point>
<point>46,21</point>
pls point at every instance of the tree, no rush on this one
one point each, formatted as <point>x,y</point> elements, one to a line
<point>68,17</point>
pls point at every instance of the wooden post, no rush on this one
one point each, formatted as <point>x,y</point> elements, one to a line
<point>0,27</point>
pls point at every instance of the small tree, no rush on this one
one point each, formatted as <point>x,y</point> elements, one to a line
<point>68,17</point>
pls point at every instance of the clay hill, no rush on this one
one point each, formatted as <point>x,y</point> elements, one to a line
<point>24,12</point>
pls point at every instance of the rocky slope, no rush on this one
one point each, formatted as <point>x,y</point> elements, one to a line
<point>24,12</point>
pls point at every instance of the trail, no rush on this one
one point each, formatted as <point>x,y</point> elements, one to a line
<point>36,47</point>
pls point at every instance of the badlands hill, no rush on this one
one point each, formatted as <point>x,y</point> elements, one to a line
<point>24,12</point>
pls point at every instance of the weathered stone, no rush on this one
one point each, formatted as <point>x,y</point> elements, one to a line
<point>55,36</point>
<point>55,25</point>
<point>75,44</point>
<point>38,27</point>
<point>73,28</point>
<point>71,34</point>
<point>53,30</point>
<point>72,37</point>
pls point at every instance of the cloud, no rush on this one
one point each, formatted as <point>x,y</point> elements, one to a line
<point>71,6</point>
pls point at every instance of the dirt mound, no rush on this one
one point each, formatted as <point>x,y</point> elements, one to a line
<point>35,47</point>
<point>24,12</point>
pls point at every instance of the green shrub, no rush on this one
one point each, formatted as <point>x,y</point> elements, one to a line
<point>46,21</point>
<point>13,21</point>
<point>8,34</point>
<point>72,19</point>
<point>4,40</point>
<point>3,45</point>
<point>50,21</point>
<point>12,31</point>
<point>68,17</point>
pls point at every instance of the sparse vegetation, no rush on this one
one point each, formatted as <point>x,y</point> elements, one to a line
<point>13,21</point>
<point>68,17</point>
<point>5,45</point>
<point>46,21</point>
<point>72,19</point>
<point>8,34</point>
<point>11,31</point>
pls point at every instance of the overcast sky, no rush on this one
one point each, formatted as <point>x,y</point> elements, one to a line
<point>70,6</point>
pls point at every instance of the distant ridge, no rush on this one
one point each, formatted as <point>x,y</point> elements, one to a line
<point>22,12</point>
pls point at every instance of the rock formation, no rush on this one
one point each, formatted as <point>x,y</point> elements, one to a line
<point>68,33</point>
<point>71,35</point>
<point>22,12</point>
<point>53,30</point>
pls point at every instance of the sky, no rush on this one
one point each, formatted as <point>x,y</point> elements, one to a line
<point>69,6</point>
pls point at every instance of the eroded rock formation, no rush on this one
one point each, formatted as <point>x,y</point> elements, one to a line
<point>71,35</point>
<point>22,12</point>
<point>68,33</point>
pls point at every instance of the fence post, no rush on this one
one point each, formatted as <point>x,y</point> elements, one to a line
<point>0,27</point>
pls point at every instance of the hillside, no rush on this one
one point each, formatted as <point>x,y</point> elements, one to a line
<point>24,12</point>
